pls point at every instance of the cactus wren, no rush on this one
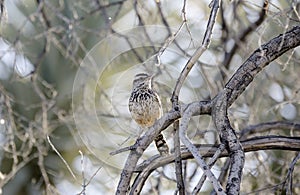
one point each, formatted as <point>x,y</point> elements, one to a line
<point>145,107</point>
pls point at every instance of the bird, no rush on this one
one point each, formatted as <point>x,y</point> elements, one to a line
<point>145,107</point>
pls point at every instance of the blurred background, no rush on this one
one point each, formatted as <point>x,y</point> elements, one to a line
<point>66,71</point>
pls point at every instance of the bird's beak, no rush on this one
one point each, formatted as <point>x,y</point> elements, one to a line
<point>153,75</point>
<point>150,77</point>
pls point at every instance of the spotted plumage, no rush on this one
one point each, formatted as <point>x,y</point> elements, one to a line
<point>145,107</point>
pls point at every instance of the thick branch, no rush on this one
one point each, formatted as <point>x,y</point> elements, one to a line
<point>140,146</point>
<point>235,86</point>
<point>229,138</point>
<point>260,59</point>
<point>178,162</point>
<point>142,143</point>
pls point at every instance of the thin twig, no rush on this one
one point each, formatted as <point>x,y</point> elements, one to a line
<point>289,177</point>
<point>241,37</point>
<point>125,149</point>
<point>61,157</point>
<point>205,43</point>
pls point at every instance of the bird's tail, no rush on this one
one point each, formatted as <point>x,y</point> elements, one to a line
<point>161,145</point>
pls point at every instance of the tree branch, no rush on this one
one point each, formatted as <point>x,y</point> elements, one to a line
<point>260,59</point>
<point>141,145</point>
<point>211,162</point>
<point>235,86</point>
<point>198,52</point>
<point>178,160</point>
<point>192,148</point>
<point>271,142</point>
<point>244,34</point>
<point>229,138</point>
<point>280,125</point>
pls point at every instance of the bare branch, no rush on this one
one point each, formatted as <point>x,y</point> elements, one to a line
<point>125,149</point>
<point>236,85</point>
<point>232,144</point>
<point>192,148</point>
<point>260,59</point>
<point>141,144</point>
<point>241,37</point>
<point>178,160</point>
<point>271,142</point>
<point>211,162</point>
<point>276,125</point>
<point>289,177</point>
<point>61,157</point>
<point>205,43</point>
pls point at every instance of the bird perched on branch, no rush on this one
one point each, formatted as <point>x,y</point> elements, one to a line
<point>145,107</point>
